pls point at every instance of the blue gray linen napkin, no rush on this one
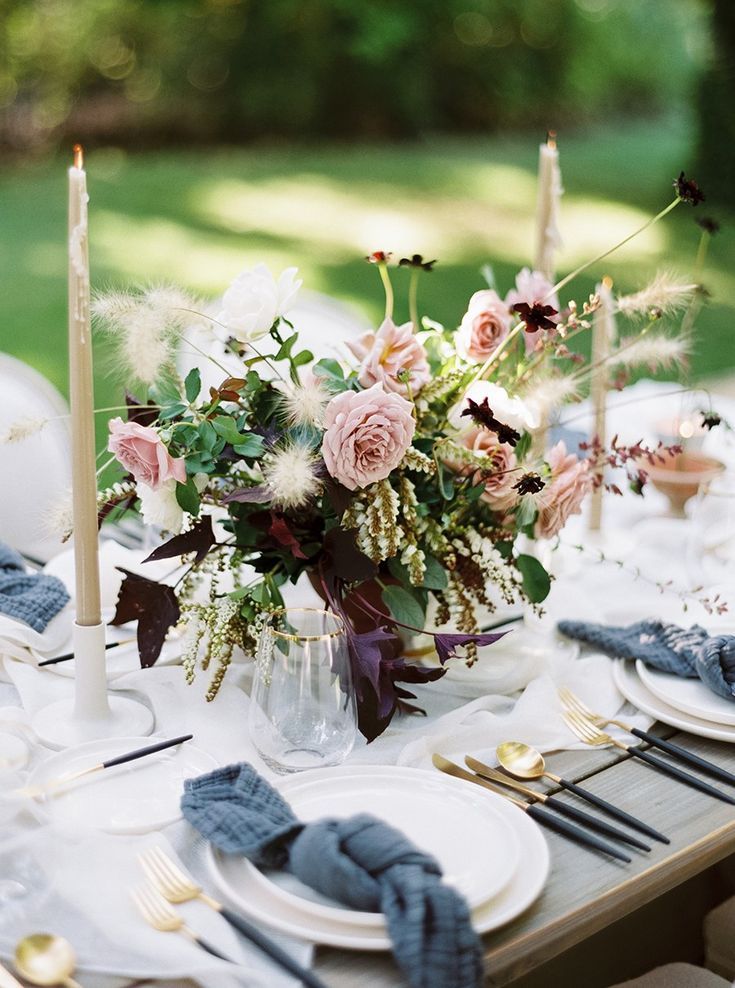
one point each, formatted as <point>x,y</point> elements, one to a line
<point>688,652</point>
<point>31,597</point>
<point>360,861</point>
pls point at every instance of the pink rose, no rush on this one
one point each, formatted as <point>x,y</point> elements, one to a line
<point>532,286</point>
<point>367,434</point>
<point>140,450</point>
<point>385,353</point>
<point>501,468</point>
<point>563,495</point>
<point>484,325</point>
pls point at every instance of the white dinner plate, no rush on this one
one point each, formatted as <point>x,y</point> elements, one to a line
<point>420,806</point>
<point>299,917</point>
<point>691,696</point>
<point>629,683</point>
<point>133,798</point>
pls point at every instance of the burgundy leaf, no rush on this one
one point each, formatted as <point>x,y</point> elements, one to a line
<point>446,644</point>
<point>249,495</point>
<point>154,606</point>
<point>198,539</point>
<point>284,536</point>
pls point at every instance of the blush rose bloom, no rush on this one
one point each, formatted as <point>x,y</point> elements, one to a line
<point>255,300</point>
<point>501,466</point>
<point>140,450</point>
<point>532,286</point>
<point>367,434</point>
<point>484,325</point>
<point>563,495</point>
<point>385,353</point>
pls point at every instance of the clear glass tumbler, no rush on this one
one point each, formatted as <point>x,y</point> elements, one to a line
<point>302,705</point>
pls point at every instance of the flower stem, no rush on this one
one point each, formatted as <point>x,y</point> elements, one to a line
<point>385,278</point>
<point>701,254</point>
<point>413,292</point>
<point>606,253</point>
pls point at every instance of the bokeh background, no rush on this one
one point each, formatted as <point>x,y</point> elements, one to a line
<point>224,132</point>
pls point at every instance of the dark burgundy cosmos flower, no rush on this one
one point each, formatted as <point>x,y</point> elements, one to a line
<point>530,483</point>
<point>708,223</point>
<point>688,190</point>
<point>416,261</point>
<point>710,419</point>
<point>535,316</point>
<point>482,415</point>
<point>379,257</point>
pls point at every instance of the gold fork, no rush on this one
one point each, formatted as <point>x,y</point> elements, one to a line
<point>158,913</point>
<point>588,732</point>
<point>176,886</point>
<point>574,703</point>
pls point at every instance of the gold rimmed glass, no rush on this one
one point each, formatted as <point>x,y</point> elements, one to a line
<point>302,705</point>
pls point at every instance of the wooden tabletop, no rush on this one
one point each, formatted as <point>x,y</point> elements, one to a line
<point>586,892</point>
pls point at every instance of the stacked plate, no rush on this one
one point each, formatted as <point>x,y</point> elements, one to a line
<point>492,853</point>
<point>684,703</point>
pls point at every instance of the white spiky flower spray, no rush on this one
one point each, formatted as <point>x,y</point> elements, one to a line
<point>665,295</point>
<point>304,404</point>
<point>290,473</point>
<point>146,327</point>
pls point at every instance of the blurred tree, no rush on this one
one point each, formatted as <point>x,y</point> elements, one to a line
<point>717,109</point>
<point>232,70</point>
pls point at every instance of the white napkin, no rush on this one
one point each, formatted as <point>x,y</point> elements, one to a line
<point>79,887</point>
<point>534,718</point>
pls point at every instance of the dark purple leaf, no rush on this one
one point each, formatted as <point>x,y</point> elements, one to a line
<point>367,656</point>
<point>198,539</point>
<point>446,644</point>
<point>338,496</point>
<point>344,559</point>
<point>154,606</point>
<point>249,495</point>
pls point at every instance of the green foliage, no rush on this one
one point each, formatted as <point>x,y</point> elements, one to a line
<point>206,70</point>
<point>536,581</point>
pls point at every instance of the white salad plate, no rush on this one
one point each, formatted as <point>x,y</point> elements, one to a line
<point>133,798</point>
<point>691,696</point>
<point>445,820</point>
<point>629,683</point>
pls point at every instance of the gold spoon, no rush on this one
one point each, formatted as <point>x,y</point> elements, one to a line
<point>525,762</point>
<point>45,959</point>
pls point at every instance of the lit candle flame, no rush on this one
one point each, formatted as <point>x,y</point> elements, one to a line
<point>78,156</point>
<point>551,139</point>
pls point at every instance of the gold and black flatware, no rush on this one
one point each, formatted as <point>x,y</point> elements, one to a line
<point>524,762</point>
<point>585,819</point>
<point>547,817</point>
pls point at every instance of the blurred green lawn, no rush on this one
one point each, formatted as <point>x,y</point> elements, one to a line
<point>198,218</point>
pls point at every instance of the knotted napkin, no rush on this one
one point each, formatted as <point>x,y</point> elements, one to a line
<point>360,861</point>
<point>688,652</point>
<point>31,597</point>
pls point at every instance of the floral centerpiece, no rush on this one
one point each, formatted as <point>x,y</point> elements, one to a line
<point>413,468</point>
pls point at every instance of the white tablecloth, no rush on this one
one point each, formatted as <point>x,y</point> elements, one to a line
<point>83,890</point>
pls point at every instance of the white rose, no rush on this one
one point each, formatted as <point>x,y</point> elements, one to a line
<point>255,300</point>
<point>160,508</point>
<point>511,411</point>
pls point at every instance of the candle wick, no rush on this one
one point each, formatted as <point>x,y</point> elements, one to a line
<point>78,156</point>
